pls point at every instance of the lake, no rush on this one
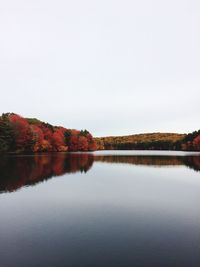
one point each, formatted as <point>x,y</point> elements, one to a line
<point>102,209</point>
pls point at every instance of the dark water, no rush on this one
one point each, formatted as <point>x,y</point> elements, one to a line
<point>107,209</point>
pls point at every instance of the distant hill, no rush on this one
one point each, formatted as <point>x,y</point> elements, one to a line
<point>19,135</point>
<point>151,141</point>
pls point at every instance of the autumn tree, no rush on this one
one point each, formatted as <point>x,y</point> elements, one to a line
<point>22,132</point>
<point>7,141</point>
<point>58,140</point>
<point>18,134</point>
<point>196,143</point>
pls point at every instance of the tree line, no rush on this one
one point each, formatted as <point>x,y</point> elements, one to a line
<point>151,141</point>
<point>18,134</point>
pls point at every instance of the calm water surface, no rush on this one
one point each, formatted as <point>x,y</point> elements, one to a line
<point>107,209</point>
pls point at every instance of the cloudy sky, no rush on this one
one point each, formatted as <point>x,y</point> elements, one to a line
<point>111,66</point>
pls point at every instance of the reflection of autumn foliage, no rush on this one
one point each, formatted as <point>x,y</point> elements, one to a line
<point>142,160</point>
<point>18,134</point>
<point>16,172</point>
<point>192,162</point>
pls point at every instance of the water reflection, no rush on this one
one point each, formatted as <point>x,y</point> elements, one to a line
<point>190,161</point>
<point>19,171</point>
<point>16,172</point>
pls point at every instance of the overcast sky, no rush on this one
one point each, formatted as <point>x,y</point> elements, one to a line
<point>112,67</point>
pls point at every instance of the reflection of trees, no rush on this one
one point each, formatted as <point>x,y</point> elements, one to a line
<point>16,172</point>
<point>141,160</point>
<point>192,162</point>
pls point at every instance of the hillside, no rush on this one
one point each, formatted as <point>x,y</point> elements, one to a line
<point>18,135</point>
<point>151,141</point>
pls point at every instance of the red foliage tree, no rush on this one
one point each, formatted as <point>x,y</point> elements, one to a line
<point>58,140</point>
<point>196,143</point>
<point>40,144</point>
<point>91,143</point>
<point>82,143</point>
<point>73,143</point>
<point>22,132</point>
<point>32,135</point>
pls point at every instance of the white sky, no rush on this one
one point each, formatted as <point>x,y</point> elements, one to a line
<point>112,67</point>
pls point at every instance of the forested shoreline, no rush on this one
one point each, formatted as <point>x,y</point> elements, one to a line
<point>19,135</point>
<point>151,141</point>
<point>28,135</point>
